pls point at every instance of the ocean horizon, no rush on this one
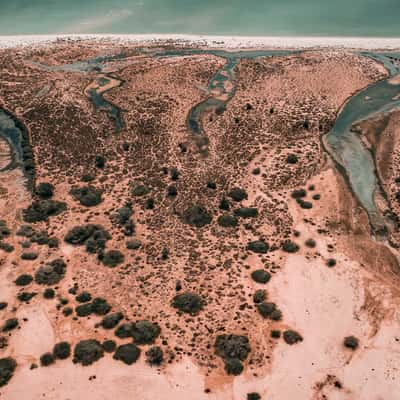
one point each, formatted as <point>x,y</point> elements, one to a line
<point>358,18</point>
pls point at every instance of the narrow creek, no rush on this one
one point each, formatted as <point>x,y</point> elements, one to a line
<point>15,149</point>
<point>221,87</point>
<point>102,83</point>
<point>346,146</point>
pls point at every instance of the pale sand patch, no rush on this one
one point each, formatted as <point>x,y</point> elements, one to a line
<point>395,80</point>
<point>114,380</point>
<point>37,335</point>
<point>324,305</point>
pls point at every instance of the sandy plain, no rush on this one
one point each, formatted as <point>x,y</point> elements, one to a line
<point>282,106</point>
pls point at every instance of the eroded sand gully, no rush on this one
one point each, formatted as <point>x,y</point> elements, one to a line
<point>281,108</point>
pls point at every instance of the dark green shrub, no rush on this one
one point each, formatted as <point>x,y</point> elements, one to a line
<point>275,334</point>
<point>83,297</point>
<point>155,355</point>
<point>100,306</point>
<point>211,185</point>
<point>29,256</point>
<point>227,221</point>
<point>306,205</point>
<point>24,280</point>
<point>292,337</point>
<point>351,342</point>
<point>79,234</point>
<point>133,244</point>
<point>46,359</point>
<point>3,305</point>
<point>261,276</point>
<point>84,310</point>
<point>190,303</point>
<point>246,212</point>
<point>232,346</point>
<point>88,196</point>
<point>4,230</point>
<point>145,332</point>
<point>51,273</point>
<point>62,350</point>
<point>290,247</point>
<point>292,159</point>
<point>259,296</point>
<point>174,174</point>
<point>40,238</point>
<point>299,193</point>
<point>25,231</point>
<point>45,190</point>
<point>256,171</point>
<point>238,194</point>
<point>7,368</point>
<point>67,311</point>
<point>258,246</point>
<point>124,331</point>
<point>109,346</point>
<point>331,262</point>
<point>41,210</point>
<point>253,396</point>
<point>276,315</point>
<point>172,191</point>
<point>124,214</point>
<point>112,258</point>
<point>49,293</point>
<point>233,366</point>
<point>224,204</point>
<point>26,296</point>
<point>266,309</point>
<point>310,243</point>
<point>149,204</point>
<point>196,216</point>
<point>93,236</point>
<point>87,178</point>
<point>100,161</point>
<point>10,324</point>
<point>112,320</point>
<point>86,352</point>
<point>8,248</point>
<point>127,353</point>
<point>140,190</point>
<point>53,243</point>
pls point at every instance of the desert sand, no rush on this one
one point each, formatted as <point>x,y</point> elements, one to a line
<point>183,221</point>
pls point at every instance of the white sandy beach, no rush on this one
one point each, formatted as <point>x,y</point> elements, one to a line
<point>232,42</point>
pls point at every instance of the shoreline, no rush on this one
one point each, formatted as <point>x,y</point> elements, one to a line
<point>231,42</point>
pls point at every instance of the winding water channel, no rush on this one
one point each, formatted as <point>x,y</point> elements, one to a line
<point>102,83</point>
<point>344,145</point>
<point>221,88</point>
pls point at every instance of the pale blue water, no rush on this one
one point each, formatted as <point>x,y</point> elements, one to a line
<point>232,17</point>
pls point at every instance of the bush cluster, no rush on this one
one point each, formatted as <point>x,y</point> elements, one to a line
<point>7,368</point>
<point>196,216</point>
<point>51,273</point>
<point>88,196</point>
<point>189,303</point>
<point>233,349</point>
<point>41,210</point>
<point>258,246</point>
<point>88,351</point>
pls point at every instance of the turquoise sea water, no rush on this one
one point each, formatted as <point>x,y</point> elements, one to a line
<point>229,17</point>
